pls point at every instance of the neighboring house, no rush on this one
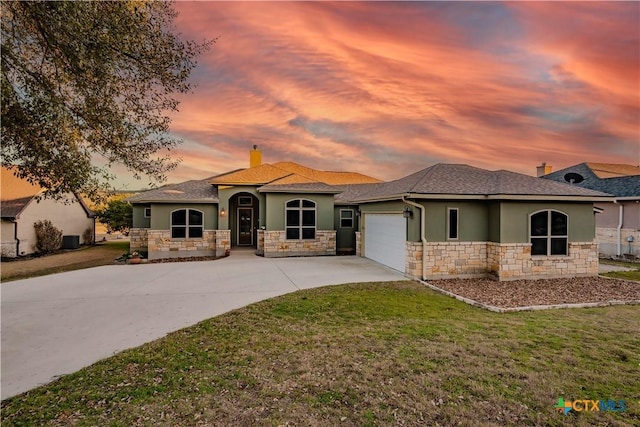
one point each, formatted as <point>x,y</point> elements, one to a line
<point>21,207</point>
<point>618,221</point>
<point>444,221</point>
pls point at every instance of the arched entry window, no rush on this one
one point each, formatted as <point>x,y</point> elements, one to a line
<point>300,219</point>
<point>549,233</point>
<point>186,223</point>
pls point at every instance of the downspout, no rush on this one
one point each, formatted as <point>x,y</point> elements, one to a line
<point>619,228</point>
<point>15,237</point>
<point>423,233</point>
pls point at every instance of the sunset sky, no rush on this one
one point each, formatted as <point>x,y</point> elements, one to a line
<point>387,89</point>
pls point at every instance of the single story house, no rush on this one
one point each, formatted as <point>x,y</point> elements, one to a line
<point>21,205</point>
<point>281,209</point>
<point>618,220</point>
<point>443,221</point>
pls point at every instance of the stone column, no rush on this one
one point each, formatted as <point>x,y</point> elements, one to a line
<point>223,242</point>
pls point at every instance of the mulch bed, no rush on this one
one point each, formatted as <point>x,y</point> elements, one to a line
<point>523,293</point>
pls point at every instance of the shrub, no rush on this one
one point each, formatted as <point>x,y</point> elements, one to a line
<point>87,236</point>
<point>48,237</point>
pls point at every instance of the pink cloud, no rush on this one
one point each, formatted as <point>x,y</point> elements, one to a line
<point>387,88</point>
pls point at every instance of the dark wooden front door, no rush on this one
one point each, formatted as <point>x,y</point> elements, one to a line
<point>245,226</point>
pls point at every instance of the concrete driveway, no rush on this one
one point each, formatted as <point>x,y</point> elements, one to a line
<point>58,324</point>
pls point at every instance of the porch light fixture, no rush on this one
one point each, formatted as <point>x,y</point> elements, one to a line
<point>223,212</point>
<point>407,212</point>
<point>358,213</point>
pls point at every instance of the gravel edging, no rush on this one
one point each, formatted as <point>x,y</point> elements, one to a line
<point>530,307</point>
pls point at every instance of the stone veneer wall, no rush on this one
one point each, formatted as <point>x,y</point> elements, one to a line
<point>260,245</point>
<point>607,238</point>
<point>277,245</point>
<point>222,242</point>
<point>511,261</point>
<point>506,261</point>
<point>358,244</point>
<point>456,259</point>
<point>161,245</point>
<point>138,239</point>
<point>413,260</point>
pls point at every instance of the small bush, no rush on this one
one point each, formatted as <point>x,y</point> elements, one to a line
<point>48,237</point>
<point>87,236</point>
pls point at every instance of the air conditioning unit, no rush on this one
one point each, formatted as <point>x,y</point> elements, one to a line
<point>70,242</point>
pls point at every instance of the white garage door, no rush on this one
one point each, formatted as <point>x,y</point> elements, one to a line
<point>384,239</point>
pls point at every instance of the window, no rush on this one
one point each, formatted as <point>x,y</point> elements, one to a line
<point>452,226</point>
<point>245,201</point>
<point>147,212</point>
<point>549,233</point>
<point>186,224</point>
<point>346,218</point>
<point>300,219</point>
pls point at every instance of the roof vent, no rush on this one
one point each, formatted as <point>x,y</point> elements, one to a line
<point>573,178</point>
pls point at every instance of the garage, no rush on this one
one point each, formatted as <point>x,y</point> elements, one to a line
<point>384,239</point>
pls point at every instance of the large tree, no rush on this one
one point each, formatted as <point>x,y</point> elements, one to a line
<point>87,85</point>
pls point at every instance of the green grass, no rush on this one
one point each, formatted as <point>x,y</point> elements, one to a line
<point>620,263</point>
<point>626,275</point>
<point>359,355</point>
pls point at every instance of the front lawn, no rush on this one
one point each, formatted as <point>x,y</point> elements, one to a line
<point>625,275</point>
<point>354,355</point>
<point>69,260</point>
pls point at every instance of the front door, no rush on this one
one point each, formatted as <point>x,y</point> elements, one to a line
<point>245,226</point>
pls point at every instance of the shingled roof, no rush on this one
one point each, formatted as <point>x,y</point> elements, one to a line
<point>289,173</point>
<point>188,191</point>
<point>618,179</point>
<point>454,180</point>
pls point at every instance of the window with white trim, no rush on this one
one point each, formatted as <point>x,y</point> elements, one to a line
<point>549,233</point>
<point>300,219</point>
<point>147,212</point>
<point>452,224</point>
<point>346,218</point>
<point>187,224</point>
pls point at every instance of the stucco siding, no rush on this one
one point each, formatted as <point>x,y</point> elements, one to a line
<point>139,221</point>
<point>514,224</point>
<point>631,215</point>
<point>276,209</point>
<point>8,248</point>
<point>70,218</point>
<point>473,220</point>
<point>161,214</point>
<point>225,194</point>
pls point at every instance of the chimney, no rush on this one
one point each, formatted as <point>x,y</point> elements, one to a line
<point>255,157</point>
<point>543,169</point>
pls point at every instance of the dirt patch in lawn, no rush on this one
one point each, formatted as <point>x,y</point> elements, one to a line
<point>523,293</point>
<point>93,256</point>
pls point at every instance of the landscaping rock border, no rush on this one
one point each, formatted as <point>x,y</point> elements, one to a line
<point>527,295</point>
